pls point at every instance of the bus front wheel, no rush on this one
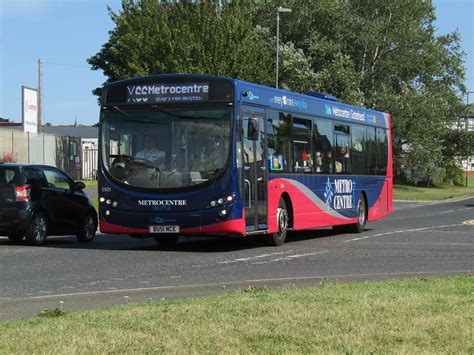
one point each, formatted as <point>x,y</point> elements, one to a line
<point>278,238</point>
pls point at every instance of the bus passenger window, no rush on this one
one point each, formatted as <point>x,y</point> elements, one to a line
<point>302,147</point>
<point>342,149</point>
<point>279,141</point>
<point>322,139</point>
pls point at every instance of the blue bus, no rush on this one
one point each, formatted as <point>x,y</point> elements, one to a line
<point>203,155</point>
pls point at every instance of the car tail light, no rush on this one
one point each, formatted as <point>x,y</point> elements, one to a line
<point>22,193</point>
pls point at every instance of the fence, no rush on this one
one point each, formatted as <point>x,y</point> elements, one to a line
<point>64,152</point>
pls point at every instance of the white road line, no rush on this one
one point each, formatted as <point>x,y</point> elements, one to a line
<point>254,257</point>
<point>401,243</point>
<point>402,231</point>
<point>291,257</point>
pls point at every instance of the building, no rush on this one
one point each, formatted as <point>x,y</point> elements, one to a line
<point>89,145</point>
<point>466,122</point>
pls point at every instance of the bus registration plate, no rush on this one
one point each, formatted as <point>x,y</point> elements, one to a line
<point>164,229</point>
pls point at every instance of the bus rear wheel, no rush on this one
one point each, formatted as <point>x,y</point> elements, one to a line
<point>278,238</point>
<point>361,217</point>
<point>166,241</point>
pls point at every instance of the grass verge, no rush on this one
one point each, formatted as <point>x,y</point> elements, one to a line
<point>408,192</point>
<point>405,316</point>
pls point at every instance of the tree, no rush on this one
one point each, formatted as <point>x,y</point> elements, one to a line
<point>383,55</point>
<point>379,54</point>
<point>207,37</point>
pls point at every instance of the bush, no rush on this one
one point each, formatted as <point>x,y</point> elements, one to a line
<point>9,157</point>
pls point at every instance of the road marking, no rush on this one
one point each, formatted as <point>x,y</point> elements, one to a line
<point>402,231</point>
<point>469,223</point>
<point>254,257</point>
<point>401,243</point>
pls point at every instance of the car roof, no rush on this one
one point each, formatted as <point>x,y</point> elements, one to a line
<point>20,165</point>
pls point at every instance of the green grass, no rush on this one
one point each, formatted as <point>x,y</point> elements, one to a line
<point>90,184</point>
<point>407,192</point>
<point>433,315</point>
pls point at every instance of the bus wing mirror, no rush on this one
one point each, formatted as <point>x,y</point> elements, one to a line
<point>252,129</point>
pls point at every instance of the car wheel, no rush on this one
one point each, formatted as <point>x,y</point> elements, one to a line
<point>37,230</point>
<point>88,229</point>
<point>277,239</point>
<point>15,237</point>
<point>167,241</point>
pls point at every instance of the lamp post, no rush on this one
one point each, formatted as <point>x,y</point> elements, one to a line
<point>467,129</point>
<point>279,10</point>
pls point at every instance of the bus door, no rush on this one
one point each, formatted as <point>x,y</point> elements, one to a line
<point>254,169</point>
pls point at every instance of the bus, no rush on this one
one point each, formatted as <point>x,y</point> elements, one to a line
<point>183,155</point>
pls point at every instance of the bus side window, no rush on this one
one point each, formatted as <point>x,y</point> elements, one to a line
<point>279,128</point>
<point>322,146</point>
<point>302,146</point>
<point>382,151</point>
<point>342,149</point>
<point>359,153</point>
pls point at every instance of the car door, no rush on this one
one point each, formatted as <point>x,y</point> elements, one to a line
<point>67,205</point>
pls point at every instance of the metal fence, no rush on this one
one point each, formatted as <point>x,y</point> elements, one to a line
<point>64,152</point>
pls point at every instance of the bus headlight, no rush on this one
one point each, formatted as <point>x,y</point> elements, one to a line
<point>221,201</point>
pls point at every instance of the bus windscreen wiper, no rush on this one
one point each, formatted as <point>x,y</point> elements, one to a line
<point>116,108</point>
<point>166,112</point>
<point>162,110</point>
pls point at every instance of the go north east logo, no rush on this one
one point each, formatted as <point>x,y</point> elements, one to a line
<point>252,96</point>
<point>340,195</point>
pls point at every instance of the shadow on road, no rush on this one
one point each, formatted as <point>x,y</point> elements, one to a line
<point>197,244</point>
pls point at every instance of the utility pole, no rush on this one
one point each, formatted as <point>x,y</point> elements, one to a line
<point>467,129</point>
<point>40,93</point>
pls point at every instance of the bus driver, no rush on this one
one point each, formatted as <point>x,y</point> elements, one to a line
<point>150,152</point>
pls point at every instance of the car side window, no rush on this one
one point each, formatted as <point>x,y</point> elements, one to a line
<point>57,180</point>
<point>35,176</point>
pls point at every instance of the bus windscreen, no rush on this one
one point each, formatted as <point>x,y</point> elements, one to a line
<point>164,149</point>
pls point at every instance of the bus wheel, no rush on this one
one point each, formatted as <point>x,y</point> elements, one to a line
<point>361,217</point>
<point>168,241</point>
<point>277,239</point>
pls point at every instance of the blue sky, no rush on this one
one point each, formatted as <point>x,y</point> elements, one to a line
<point>64,33</point>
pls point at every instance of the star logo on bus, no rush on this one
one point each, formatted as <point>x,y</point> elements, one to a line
<point>328,109</point>
<point>329,193</point>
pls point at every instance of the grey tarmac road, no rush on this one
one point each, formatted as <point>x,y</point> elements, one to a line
<point>418,239</point>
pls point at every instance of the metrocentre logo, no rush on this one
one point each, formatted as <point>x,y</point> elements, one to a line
<point>144,90</point>
<point>162,202</point>
<point>340,194</point>
<point>162,93</point>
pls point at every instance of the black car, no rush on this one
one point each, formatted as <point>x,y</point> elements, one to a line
<point>38,200</point>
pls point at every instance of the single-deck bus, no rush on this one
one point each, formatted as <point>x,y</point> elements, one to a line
<point>205,155</point>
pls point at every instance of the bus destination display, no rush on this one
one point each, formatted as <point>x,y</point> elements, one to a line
<point>167,93</point>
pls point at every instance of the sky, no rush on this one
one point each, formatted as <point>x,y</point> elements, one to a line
<point>64,33</point>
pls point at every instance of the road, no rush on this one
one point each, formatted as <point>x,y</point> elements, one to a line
<point>418,239</point>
